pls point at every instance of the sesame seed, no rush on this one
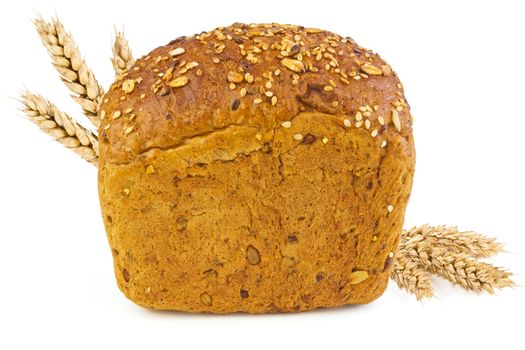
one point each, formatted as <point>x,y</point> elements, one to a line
<point>128,130</point>
<point>286,124</point>
<point>374,133</point>
<point>249,78</point>
<point>297,137</point>
<point>294,65</point>
<point>168,75</point>
<point>128,86</point>
<point>390,208</point>
<point>116,115</point>
<point>395,120</point>
<point>391,255</point>
<point>362,109</point>
<point>269,93</point>
<point>216,60</point>
<point>234,77</point>
<point>243,92</point>
<point>150,169</point>
<point>367,124</point>
<point>128,111</point>
<point>381,120</point>
<point>220,49</point>
<point>274,100</point>
<point>102,114</point>
<point>198,72</point>
<point>328,88</point>
<point>257,101</point>
<point>383,144</point>
<point>277,72</point>
<point>347,122</point>
<point>268,85</point>
<point>358,116</point>
<point>177,51</point>
<point>143,96</point>
<point>232,86</point>
<point>179,82</point>
<point>126,191</point>
<point>358,124</point>
<point>374,238</point>
<point>191,65</point>
<point>371,69</point>
<point>325,140</point>
<point>258,137</point>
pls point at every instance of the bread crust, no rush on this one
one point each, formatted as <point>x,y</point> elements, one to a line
<point>255,168</point>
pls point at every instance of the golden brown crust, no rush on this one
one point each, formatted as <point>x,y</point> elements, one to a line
<point>217,202</point>
<point>262,71</point>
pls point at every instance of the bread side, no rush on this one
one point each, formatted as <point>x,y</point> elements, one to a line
<point>238,220</point>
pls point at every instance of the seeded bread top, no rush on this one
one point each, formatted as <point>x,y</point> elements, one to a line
<point>259,75</point>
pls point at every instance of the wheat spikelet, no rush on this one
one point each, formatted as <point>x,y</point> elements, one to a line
<point>458,268</point>
<point>122,59</point>
<point>73,71</point>
<point>450,238</point>
<point>409,275</point>
<point>60,126</point>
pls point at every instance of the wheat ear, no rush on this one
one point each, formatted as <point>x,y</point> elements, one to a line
<point>450,238</point>
<point>74,72</point>
<point>410,276</point>
<point>60,126</point>
<point>458,268</point>
<point>122,59</point>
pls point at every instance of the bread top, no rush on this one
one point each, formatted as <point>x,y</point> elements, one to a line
<point>258,75</point>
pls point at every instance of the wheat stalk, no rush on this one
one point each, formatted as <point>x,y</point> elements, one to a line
<point>60,126</point>
<point>410,276</point>
<point>122,59</point>
<point>450,238</point>
<point>458,268</point>
<point>74,72</point>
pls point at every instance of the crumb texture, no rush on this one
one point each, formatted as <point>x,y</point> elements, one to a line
<point>255,168</point>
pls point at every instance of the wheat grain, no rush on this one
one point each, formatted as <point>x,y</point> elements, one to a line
<point>71,67</point>
<point>122,59</point>
<point>450,238</point>
<point>458,268</point>
<point>410,276</point>
<point>60,126</point>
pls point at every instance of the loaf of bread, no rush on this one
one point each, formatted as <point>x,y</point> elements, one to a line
<point>255,168</point>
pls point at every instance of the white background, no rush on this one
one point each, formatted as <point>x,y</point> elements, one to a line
<point>463,67</point>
